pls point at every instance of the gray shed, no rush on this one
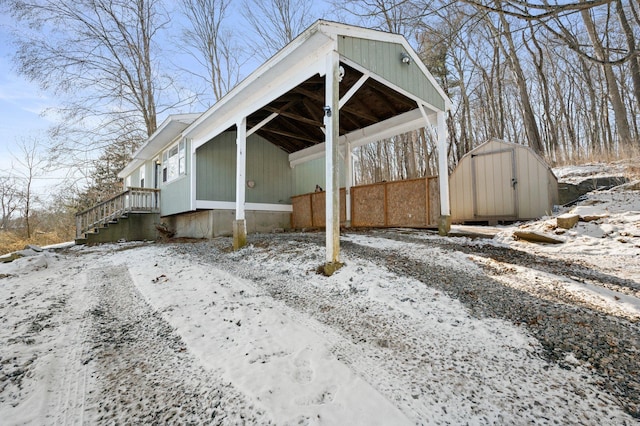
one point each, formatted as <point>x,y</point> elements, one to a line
<point>502,181</point>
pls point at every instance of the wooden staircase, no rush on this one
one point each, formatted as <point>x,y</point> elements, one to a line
<point>130,215</point>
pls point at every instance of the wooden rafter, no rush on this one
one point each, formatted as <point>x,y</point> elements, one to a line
<point>296,116</point>
<point>289,134</point>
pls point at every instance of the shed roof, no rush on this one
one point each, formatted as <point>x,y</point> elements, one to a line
<point>513,145</point>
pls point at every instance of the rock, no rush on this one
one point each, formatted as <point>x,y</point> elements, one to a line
<point>567,220</point>
<point>593,217</point>
<point>536,237</point>
<point>10,257</point>
<point>33,247</point>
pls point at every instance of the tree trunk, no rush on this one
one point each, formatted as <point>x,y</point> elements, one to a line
<point>538,62</point>
<point>528,116</point>
<point>619,109</point>
<point>634,62</point>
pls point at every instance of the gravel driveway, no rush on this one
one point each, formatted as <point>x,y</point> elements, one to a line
<point>442,332</point>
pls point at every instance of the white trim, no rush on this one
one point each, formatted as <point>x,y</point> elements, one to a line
<point>352,91</point>
<point>443,168</point>
<point>336,29</point>
<point>264,85</point>
<point>332,163</point>
<point>231,205</point>
<point>171,128</point>
<point>261,124</point>
<point>192,175</point>
<point>241,166</point>
<point>394,126</point>
<point>180,173</point>
<point>348,161</point>
<point>390,85</point>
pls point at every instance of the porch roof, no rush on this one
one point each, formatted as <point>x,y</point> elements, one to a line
<point>283,101</point>
<point>166,133</point>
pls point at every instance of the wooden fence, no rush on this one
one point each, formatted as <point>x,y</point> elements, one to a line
<point>407,203</point>
<point>133,200</point>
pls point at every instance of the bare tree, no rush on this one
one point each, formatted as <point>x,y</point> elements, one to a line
<point>29,165</point>
<point>619,109</point>
<point>101,59</point>
<point>277,22</point>
<point>10,198</point>
<point>395,16</point>
<point>211,44</point>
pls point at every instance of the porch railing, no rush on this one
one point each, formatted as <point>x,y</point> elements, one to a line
<point>133,200</point>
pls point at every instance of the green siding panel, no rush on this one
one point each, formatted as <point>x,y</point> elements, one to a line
<point>308,175</point>
<point>383,59</point>
<point>267,166</point>
<point>216,169</point>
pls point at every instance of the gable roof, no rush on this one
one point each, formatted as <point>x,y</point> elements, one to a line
<point>284,98</point>
<point>510,145</point>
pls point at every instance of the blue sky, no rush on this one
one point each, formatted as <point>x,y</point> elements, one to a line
<point>23,104</point>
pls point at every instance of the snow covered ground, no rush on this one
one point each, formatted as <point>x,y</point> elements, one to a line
<point>412,330</point>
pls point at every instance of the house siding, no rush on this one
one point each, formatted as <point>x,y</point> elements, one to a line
<point>267,166</point>
<point>308,175</point>
<point>175,196</point>
<point>383,59</point>
<point>149,178</point>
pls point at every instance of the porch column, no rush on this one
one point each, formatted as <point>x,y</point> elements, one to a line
<point>348,162</point>
<point>332,201</point>
<point>444,224</point>
<point>239,225</point>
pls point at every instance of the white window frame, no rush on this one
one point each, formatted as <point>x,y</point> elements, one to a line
<point>174,162</point>
<point>142,174</point>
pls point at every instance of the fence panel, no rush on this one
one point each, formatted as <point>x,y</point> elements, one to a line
<point>407,203</point>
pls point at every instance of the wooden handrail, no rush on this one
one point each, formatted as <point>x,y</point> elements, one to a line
<point>132,200</point>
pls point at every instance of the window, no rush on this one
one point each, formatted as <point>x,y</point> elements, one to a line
<point>142,173</point>
<point>174,162</point>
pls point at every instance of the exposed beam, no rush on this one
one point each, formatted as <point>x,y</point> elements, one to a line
<point>261,124</point>
<point>390,93</point>
<point>398,89</point>
<point>313,110</point>
<point>289,134</point>
<point>309,93</point>
<point>352,91</point>
<point>352,110</point>
<point>394,126</point>
<point>296,117</point>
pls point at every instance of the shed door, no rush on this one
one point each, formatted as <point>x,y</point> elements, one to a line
<point>494,184</point>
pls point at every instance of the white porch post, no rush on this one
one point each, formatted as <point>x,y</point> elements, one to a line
<point>349,180</point>
<point>444,224</point>
<point>332,201</point>
<point>193,181</point>
<point>239,225</point>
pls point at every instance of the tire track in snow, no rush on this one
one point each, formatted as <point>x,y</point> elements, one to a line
<point>451,366</point>
<point>70,407</point>
<point>143,370</point>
